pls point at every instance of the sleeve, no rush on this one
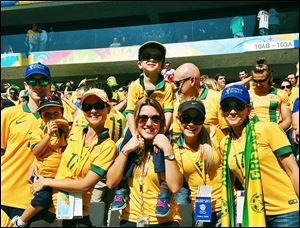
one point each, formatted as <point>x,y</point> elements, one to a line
<point>132,97</point>
<point>296,105</point>
<point>277,139</point>
<point>5,129</point>
<point>106,155</point>
<point>169,98</point>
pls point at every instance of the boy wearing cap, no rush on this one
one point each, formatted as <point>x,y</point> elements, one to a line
<point>258,156</point>
<point>151,58</point>
<point>47,146</point>
<point>18,125</point>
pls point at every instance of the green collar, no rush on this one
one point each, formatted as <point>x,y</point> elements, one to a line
<point>103,134</point>
<point>26,109</point>
<point>159,84</point>
<point>203,94</point>
<point>180,140</point>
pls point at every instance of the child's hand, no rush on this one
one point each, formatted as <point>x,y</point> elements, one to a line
<point>38,185</point>
<point>51,127</point>
<point>162,142</point>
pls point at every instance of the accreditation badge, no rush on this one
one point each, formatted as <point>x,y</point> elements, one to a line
<point>203,204</point>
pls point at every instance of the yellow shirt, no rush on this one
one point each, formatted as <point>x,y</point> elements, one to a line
<point>211,101</point>
<point>18,125</point>
<point>268,108</point>
<point>149,194</point>
<point>191,165</point>
<point>68,112</point>
<point>77,160</point>
<point>295,93</point>
<point>272,142</point>
<point>48,162</point>
<point>163,93</point>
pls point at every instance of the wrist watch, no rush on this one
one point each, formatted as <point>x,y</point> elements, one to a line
<point>170,157</point>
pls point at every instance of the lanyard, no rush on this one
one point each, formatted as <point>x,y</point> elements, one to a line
<point>142,175</point>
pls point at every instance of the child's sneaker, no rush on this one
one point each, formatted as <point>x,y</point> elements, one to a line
<point>163,204</point>
<point>119,201</point>
<point>15,221</point>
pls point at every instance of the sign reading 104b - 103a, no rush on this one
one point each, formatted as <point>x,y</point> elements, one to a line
<point>271,45</point>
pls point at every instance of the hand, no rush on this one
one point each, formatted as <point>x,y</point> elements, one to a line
<point>32,172</point>
<point>51,127</point>
<point>38,185</point>
<point>135,144</point>
<point>162,142</point>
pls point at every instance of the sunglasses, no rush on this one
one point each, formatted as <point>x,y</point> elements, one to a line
<point>144,118</point>
<point>96,106</point>
<point>148,56</point>
<point>178,83</point>
<point>287,86</point>
<point>260,81</point>
<point>187,119</point>
<point>34,81</point>
<point>237,106</point>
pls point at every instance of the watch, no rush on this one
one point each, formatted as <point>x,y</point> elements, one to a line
<point>170,157</point>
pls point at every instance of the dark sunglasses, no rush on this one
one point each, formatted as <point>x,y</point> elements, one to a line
<point>287,86</point>
<point>186,119</point>
<point>89,107</point>
<point>144,118</point>
<point>236,105</point>
<point>148,56</point>
<point>34,81</point>
<point>260,81</point>
<point>178,83</point>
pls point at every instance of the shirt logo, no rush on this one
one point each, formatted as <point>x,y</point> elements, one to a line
<point>20,121</point>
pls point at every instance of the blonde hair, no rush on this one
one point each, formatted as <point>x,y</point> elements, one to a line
<point>211,83</point>
<point>204,139</point>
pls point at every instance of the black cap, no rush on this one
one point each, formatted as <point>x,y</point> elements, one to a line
<point>192,104</point>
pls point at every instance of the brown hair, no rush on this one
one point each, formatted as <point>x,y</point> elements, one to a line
<point>151,102</point>
<point>261,67</point>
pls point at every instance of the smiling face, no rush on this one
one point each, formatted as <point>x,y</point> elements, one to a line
<point>151,61</point>
<point>189,124</point>
<point>234,112</point>
<point>96,112</point>
<point>149,122</point>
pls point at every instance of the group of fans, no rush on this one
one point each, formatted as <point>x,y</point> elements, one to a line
<point>157,142</point>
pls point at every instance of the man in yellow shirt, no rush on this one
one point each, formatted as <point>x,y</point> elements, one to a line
<point>18,125</point>
<point>187,81</point>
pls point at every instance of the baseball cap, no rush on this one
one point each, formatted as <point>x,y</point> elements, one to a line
<point>152,44</point>
<point>37,68</point>
<point>192,104</point>
<point>50,101</point>
<point>112,81</point>
<point>95,92</point>
<point>236,91</point>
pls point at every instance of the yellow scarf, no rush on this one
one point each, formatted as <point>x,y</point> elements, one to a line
<point>254,212</point>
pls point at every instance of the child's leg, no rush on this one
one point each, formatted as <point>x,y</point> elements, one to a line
<point>29,213</point>
<point>131,157</point>
<point>119,201</point>
<point>158,157</point>
<point>163,201</point>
